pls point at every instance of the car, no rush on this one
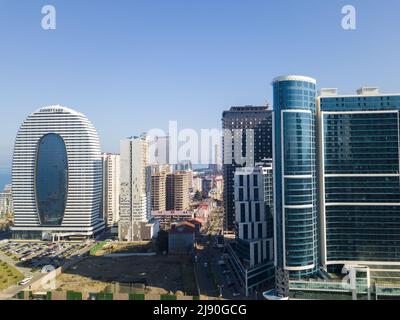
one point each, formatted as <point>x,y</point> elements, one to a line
<point>205,264</point>
<point>25,281</point>
<point>226,272</point>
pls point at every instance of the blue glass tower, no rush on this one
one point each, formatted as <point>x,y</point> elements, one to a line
<point>295,175</point>
<point>360,178</point>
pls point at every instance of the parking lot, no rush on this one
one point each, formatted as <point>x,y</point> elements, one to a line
<point>36,255</point>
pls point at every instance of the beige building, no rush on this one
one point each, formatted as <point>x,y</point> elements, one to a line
<point>197,184</point>
<point>158,191</point>
<point>6,202</point>
<point>178,191</point>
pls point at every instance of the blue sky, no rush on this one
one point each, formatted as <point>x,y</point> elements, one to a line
<point>133,65</point>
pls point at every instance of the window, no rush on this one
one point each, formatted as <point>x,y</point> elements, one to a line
<point>245,232</point>
<point>257,206</point>
<point>242,212</point>
<point>256,196</point>
<point>51,179</point>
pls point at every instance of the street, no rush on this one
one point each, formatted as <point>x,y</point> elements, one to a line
<point>212,280</point>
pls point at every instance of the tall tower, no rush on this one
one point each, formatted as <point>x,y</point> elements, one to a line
<point>57,176</point>
<point>178,191</point>
<point>111,188</point>
<point>158,189</point>
<point>295,175</point>
<point>247,139</point>
<point>360,179</point>
<point>135,193</point>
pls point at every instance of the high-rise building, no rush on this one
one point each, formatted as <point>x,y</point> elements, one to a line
<point>6,202</point>
<point>111,188</point>
<point>178,191</point>
<point>57,176</point>
<point>207,184</point>
<point>360,178</point>
<point>158,191</point>
<point>295,172</point>
<point>135,193</point>
<point>254,248</point>
<point>247,139</point>
<point>197,184</point>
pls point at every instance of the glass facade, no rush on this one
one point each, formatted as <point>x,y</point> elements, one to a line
<point>361,178</point>
<point>51,179</point>
<point>296,177</point>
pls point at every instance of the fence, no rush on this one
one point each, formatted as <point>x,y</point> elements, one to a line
<point>72,295</point>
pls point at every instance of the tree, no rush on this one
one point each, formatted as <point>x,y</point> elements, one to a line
<point>198,196</point>
<point>162,241</point>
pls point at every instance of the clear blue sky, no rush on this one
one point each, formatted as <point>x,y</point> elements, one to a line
<point>133,65</point>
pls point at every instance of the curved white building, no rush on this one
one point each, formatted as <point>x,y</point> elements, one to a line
<point>57,176</point>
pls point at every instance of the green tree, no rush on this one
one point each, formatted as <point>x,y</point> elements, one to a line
<point>162,241</point>
<point>198,196</point>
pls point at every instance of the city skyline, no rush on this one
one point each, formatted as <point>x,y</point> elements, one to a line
<point>196,57</point>
<point>213,151</point>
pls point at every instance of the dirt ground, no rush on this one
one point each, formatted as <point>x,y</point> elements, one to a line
<point>161,274</point>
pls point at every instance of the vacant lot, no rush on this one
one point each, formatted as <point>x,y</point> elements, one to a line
<point>123,247</point>
<point>160,274</point>
<point>8,276</point>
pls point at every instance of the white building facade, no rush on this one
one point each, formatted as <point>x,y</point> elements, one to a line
<point>135,193</point>
<point>252,255</point>
<point>57,176</point>
<point>111,188</point>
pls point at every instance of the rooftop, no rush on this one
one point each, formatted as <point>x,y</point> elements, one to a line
<point>294,78</point>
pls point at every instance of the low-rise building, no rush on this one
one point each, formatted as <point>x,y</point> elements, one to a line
<point>181,239</point>
<point>168,218</point>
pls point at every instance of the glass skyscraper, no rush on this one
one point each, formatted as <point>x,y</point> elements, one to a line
<point>360,178</point>
<point>295,175</point>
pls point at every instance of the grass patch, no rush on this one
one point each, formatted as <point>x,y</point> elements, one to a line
<point>9,275</point>
<point>97,248</point>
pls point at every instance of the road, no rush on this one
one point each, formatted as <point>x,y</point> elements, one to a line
<point>212,281</point>
<point>206,283</point>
